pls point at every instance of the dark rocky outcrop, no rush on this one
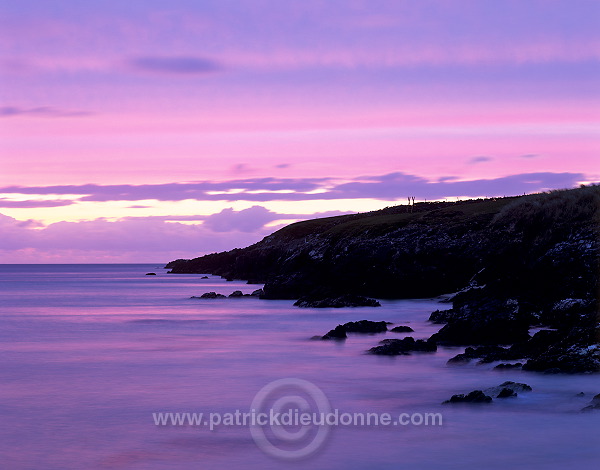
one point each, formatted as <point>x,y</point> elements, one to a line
<point>398,347</point>
<point>485,354</point>
<point>362,326</point>
<point>566,358</point>
<point>402,329</point>
<point>204,277</point>
<point>506,393</point>
<point>442,316</point>
<point>257,293</point>
<point>504,390</point>
<point>347,300</point>
<point>209,295</point>
<point>150,274</point>
<point>480,319</point>
<point>236,293</point>
<point>515,262</point>
<point>366,326</point>
<point>515,387</point>
<point>339,332</point>
<point>476,396</point>
<point>517,365</point>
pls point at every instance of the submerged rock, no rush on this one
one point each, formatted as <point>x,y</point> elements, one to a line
<point>508,385</point>
<point>476,396</point>
<point>339,332</point>
<point>209,295</point>
<point>362,326</point>
<point>402,329</point>
<point>594,404</point>
<point>366,326</point>
<point>397,347</point>
<point>506,393</point>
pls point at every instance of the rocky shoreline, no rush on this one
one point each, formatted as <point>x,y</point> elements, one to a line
<point>515,263</point>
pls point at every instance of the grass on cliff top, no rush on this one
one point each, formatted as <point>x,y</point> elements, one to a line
<point>391,218</point>
<point>533,211</point>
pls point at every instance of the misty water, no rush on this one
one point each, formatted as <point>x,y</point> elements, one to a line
<point>90,352</point>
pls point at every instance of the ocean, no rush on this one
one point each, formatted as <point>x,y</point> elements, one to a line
<point>91,354</point>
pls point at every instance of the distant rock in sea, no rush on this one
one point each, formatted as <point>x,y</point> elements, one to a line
<point>476,396</point>
<point>398,347</point>
<point>402,329</point>
<point>209,295</point>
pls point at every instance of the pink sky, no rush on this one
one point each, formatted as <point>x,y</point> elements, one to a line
<point>286,108</point>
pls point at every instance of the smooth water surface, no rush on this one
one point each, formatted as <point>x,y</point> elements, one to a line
<point>89,352</point>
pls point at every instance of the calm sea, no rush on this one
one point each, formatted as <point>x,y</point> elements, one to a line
<point>90,352</point>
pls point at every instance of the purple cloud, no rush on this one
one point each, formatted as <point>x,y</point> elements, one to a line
<point>132,238</point>
<point>136,239</point>
<point>388,187</point>
<point>530,155</point>
<point>184,65</point>
<point>480,159</point>
<point>241,168</point>
<point>247,220</point>
<point>41,111</point>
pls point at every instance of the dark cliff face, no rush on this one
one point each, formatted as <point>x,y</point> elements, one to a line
<point>536,248</point>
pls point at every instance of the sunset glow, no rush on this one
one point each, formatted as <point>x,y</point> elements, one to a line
<point>147,131</point>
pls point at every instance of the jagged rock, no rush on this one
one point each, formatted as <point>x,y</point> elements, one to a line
<point>518,365</point>
<point>397,347</point>
<point>484,320</point>
<point>339,332</point>
<point>566,358</point>
<point>257,293</point>
<point>402,329</point>
<point>366,326</point>
<point>290,286</point>
<point>506,393</point>
<point>150,274</point>
<point>362,326</point>
<point>539,343</point>
<point>485,353</point>
<point>347,300</point>
<point>476,396</point>
<point>513,263</point>
<point>236,293</point>
<point>442,316</point>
